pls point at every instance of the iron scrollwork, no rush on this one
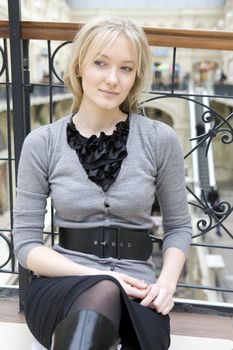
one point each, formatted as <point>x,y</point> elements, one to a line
<point>3,65</point>
<point>220,124</point>
<point>214,217</point>
<point>9,248</point>
<point>211,116</point>
<point>52,60</point>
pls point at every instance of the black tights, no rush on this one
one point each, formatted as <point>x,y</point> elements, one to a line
<point>104,298</point>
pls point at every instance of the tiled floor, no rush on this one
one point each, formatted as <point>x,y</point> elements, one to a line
<point>16,336</point>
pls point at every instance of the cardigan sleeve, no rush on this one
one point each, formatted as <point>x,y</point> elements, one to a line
<point>32,192</point>
<point>171,190</point>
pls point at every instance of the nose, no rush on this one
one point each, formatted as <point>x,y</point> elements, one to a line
<point>111,78</point>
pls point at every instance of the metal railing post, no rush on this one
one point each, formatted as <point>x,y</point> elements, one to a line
<point>18,99</point>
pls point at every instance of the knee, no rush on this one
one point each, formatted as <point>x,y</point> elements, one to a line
<point>109,287</point>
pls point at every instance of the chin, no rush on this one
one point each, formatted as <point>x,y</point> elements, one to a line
<point>108,107</point>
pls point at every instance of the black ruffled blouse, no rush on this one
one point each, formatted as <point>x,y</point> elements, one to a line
<point>100,156</point>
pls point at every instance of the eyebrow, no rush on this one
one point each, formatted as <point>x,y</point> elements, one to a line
<point>124,61</point>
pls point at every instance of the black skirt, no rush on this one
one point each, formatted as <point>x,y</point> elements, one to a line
<point>48,301</point>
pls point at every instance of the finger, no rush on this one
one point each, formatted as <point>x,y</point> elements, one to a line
<point>163,298</point>
<point>131,281</point>
<point>148,300</point>
<point>135,282</point>
<point>168,308</point>
<point>160,309</point>
<point>150,296</point>
<point>134,292</point>
<point>162,303</point>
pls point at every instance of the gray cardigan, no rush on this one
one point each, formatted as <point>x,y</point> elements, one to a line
<point>49,167</point>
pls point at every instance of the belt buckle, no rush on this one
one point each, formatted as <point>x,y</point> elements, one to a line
<point>109,242</point>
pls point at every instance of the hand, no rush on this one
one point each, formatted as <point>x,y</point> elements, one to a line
<point>134,288</point>
<point>160,297</point>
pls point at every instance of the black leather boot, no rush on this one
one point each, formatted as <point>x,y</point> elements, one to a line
<point>85,330</point>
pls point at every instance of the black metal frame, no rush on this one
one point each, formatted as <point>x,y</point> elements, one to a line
<point>21,88</point>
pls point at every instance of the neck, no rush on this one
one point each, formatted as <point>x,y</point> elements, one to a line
<point>91,120</point>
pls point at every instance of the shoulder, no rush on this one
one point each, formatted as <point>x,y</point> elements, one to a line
<point>153,128</point>
<point>159,138</point>
<point>43,134</point>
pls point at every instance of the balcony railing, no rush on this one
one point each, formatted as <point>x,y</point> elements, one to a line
<point>17,35</point>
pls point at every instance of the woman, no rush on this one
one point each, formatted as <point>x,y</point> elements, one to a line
<point>101,166</point>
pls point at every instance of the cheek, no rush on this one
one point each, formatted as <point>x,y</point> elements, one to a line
<point>90,76</point>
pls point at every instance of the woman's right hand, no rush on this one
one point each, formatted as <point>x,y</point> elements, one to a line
<point>133,287</point>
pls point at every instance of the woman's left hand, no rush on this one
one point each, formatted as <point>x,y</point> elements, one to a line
<point>159,298</point>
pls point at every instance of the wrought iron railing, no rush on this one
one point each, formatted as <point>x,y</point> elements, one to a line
<point>18,89</point>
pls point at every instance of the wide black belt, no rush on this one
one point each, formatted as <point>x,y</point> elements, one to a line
<point>105,242</point>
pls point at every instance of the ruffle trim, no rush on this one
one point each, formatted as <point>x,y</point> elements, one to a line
<point>100,156</point>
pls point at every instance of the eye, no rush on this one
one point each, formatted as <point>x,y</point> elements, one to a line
<point>100,63</point>
<point>127,69</point>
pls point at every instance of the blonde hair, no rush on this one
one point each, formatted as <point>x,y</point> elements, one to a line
<point>91,39</point>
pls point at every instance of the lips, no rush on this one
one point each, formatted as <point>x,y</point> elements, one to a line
<point>109,92</point>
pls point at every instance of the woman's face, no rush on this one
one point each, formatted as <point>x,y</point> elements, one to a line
<point>107,80</point>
